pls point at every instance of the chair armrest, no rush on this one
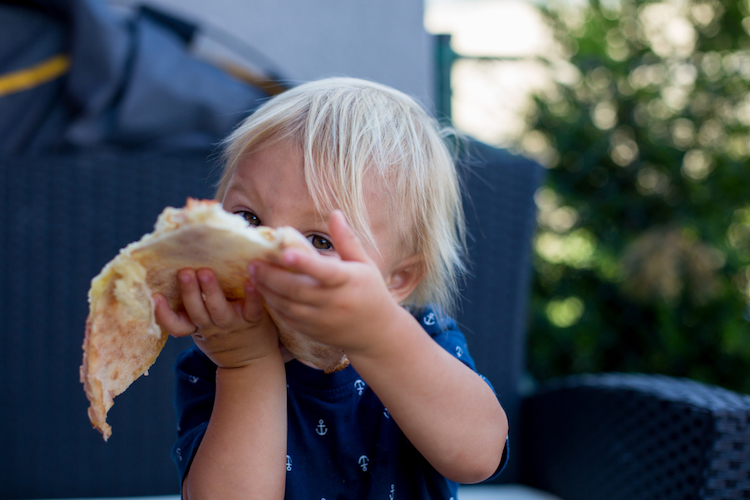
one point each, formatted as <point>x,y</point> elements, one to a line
<point>635,436</point>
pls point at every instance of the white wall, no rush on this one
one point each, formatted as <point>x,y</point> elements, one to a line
<point>382,40</point>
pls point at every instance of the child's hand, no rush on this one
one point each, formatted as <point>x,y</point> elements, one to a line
<point>231,334</point>
<point>343,302</point>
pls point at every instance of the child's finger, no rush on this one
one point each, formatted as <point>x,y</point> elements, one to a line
<point>289,310</point>
<point>309,270</point>
<point>221,312</point>
<point>176,324</point>
<point>252,307</point>
<point>192,298</point>
<point>301,279</point>
<point>327,271</point>
<point>347,244</point>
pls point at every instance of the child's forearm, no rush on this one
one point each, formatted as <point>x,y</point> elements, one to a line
<point>445,409</point>
<point>242,454</point>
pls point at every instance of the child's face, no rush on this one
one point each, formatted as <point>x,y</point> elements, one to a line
<point>268,188</point>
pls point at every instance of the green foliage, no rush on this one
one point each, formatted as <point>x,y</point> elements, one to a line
<point>642,259</point>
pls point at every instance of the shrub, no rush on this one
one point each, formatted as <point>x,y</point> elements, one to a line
<point>642,258</point>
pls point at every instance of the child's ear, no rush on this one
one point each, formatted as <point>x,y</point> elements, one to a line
<point>405,277</point>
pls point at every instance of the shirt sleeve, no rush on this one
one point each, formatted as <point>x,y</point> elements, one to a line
<point>444,330</point>
<point>194,401</point>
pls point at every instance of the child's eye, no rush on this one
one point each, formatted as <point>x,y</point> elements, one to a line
<point>250,217</point>
<point>320,242</point>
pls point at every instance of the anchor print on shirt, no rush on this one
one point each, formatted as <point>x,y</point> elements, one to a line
<point>193,379</point>
<point>459,351</point>
<point>364,461</point>
<point>321,428</point>
<point>288,463</point>
<point>392,493</point>
<point>429,320</point>
<point>360,386</point>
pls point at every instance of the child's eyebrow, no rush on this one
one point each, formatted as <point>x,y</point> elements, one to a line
<point>245,189</point>
<point>311,220</point>
<point>236,186</point>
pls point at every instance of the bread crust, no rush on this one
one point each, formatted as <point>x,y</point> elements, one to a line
<point>122,339</point>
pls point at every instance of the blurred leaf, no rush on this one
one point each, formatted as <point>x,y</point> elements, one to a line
<point>642,261</point>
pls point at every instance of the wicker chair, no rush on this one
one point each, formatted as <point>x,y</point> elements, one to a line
<point>64,216</point>
<point>593,437</point>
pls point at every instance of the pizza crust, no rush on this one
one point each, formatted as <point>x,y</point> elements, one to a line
<point>122,339</point>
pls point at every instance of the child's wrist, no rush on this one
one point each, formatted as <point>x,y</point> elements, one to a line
<point>237,356</point>
<point>248,362</point>
<point>387,337</point>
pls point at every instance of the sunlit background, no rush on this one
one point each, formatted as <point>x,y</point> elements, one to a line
<point>641,113</point>
<point>492,94</point>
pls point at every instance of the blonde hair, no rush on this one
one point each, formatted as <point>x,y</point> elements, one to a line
<point>349,129</point>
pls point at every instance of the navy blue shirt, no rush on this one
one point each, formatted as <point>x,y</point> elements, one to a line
<point>342,442</point>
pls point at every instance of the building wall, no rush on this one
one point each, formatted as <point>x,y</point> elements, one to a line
<point>382,40</point>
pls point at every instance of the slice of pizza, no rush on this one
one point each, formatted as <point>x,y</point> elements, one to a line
<point>122,339</point>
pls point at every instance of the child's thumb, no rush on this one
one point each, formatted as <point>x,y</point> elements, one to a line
<point>252,307</point>
<point>345,241</point>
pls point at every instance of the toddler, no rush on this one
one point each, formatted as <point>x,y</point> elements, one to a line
<point>362,171</point>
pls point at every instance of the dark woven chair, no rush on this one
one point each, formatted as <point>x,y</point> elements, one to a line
<point>637,437</point>
<point>64,216</point>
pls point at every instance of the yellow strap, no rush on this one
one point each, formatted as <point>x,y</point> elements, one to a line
<point>33,76</point>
